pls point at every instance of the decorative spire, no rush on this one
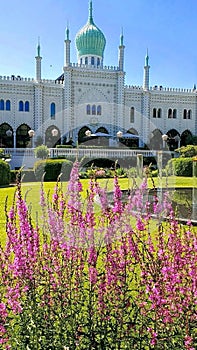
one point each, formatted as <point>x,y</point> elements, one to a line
<point>90,19</point>
<point>38,47</point>
<point>67,32</point>
<point>121,38</point>
<point>146,59</point>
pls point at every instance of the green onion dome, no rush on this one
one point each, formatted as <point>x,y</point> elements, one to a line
<point>90,40</point>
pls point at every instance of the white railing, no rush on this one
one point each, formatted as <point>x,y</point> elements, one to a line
<point>99,152</point>
<point>85,152</point>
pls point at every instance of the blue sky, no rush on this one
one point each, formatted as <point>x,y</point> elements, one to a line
<point>166,27</point>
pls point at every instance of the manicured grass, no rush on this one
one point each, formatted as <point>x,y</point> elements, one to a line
<point>31,191</point>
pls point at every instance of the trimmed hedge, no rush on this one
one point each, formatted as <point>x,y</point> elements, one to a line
<point>52,168</point>
<point>4,173</point>
<point>180,167</point>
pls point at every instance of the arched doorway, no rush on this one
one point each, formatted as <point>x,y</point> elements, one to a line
<point>23,139</point>
<point>173,139</point>
<point>6,136</point>
<point>82,137</point>
<point>52,136</point>
<point>186,137</point>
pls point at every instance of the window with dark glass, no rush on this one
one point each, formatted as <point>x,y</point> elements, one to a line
<point>98,61</point>
<point>189,114</point>
<point>159,113</point>
<point>92,61</point>
<point>88,109</point>
<point>27,106</point>
<point>185,114</point>
<point>174,113</point>
<point>21,106</point>
<point>2,105</point>
<point>132,114</point>
<point>170,113</point>
<point>154,112</point>
<point>8,105</point>
<point>86,60</point>
<point>99,110</point>
<point>93,109</point>
<point>52,110</point>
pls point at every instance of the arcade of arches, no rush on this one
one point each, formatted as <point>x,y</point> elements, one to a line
<point>21,139</point>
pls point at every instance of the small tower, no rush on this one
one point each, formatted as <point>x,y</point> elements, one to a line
<point>121,53</point>
<point>146,73</point>
<point>38,62</point>
<point>67,42</point>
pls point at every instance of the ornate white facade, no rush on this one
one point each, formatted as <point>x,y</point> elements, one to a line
<point>90,96</point>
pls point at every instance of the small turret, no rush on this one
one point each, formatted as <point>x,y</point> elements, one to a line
<point>121,52</point>
<point>67,42</point>
<point>146,72</point>
<point>38,62</point>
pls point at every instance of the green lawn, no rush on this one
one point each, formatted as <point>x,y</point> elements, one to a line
<point>32,192</point>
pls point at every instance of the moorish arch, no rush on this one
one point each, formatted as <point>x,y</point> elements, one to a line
<point>52,136</point>
<point>23,139</point>
<point>6,136</point>
<point>173,141</point>
<point>82,134</point>
<point>102,129</point>
<point>186,136</point>
<point>132,131</point>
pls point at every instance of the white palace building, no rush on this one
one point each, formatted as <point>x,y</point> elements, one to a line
<point>90,98</point>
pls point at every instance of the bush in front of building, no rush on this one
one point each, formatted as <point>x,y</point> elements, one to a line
<point>179,167</point>
<point>4,173</point>
<point>187,151</point>
<point>52,168</point>
<point>41,152</point>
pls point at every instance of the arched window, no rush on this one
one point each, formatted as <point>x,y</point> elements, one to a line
<point>99,110</point>
<point>27,106</point>
<point>189,114</point>
<point>132,115</point>
<point>154,112</point>
<point>93,110</point>
<point>185,114</point>
<point>52,110</point>
<point>98,61</point>
<point>174,113</point>
<point>159,113</point>
<point>8,105</point>
<point>92,61</point>
<point>2,105</point>
<point>21,106</point>
<point>86,60</point>
<point>81,60</point>
<point>170,113</point>
<point>88,109</point>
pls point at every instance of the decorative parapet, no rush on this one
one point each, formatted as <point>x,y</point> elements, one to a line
<point>91,67</point>
<point>161,88</point>
<point>19,79</point>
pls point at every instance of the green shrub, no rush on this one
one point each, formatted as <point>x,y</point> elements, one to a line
<point>179,167</point>
<point>41,152</point>
<point>4,173</point>
<point>187,151</point>
<point>52,168</point>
